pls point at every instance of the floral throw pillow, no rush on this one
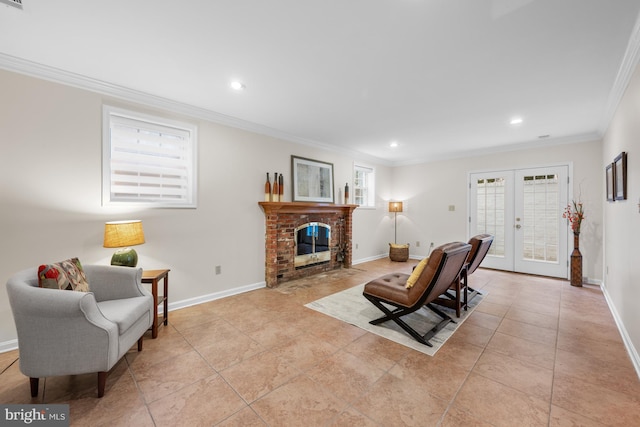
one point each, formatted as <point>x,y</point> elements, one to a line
<point>66,275</point>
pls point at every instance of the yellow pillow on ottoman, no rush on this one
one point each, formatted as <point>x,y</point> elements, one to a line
<point>416,273</point>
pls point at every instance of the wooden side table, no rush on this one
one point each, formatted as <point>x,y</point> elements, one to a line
<point>153,277</point>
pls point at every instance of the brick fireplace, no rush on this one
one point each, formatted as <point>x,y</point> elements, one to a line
<point>282,219</point>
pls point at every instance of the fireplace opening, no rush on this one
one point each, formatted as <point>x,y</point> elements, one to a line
<point>312,241</point>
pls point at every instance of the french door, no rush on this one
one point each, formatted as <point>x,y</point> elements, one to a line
<point>523,210</point>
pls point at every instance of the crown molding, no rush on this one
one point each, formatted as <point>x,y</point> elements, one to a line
<point>56,75</point>
<point>537,143</point>
<point>625,72</point>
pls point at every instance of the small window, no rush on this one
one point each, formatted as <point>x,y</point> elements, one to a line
<point>364,187</point>
<point>148,160</point>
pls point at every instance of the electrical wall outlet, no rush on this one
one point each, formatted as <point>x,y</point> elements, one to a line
<point>452,208</point>
<point>218,269</point>
<point>357,246</point>
<point>417,243</point>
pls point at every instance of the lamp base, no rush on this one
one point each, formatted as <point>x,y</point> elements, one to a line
<point>126,257</point>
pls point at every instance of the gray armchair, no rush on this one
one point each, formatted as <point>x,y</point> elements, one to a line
<point>63,332</point>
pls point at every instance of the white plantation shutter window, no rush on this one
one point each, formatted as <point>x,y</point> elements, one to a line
<point>148,160</point>
<point>364,186</point>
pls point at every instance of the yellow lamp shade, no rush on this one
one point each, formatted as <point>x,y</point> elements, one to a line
<point>122,234</point>
<point>395,206</point>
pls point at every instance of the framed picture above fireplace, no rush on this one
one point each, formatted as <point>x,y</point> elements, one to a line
<point>312,180</point>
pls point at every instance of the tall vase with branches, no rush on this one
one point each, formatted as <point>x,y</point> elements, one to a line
<point>574,213</point>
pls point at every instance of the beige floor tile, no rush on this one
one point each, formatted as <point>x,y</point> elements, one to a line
<point>259,374</point>
<point>393,402</point>
<point>536,319</point>
<point>441,378</point>
<point>228,352</point>
<point>560,417</point>
<point>208,332</point>
<point>7,359</point>
<point>304,351</point>
<point>353,418</point>
<point>544,307</point>
<point>485,320</point>
<point>500,405</point>
<point>589,330</point>
<point>524,350</point>
<point>460,353</point>
<point>522,376</point>
<point>345,375</point>
<point>168,345</point>
<point>595,402</point>
<point>243,418</point>
<point>15,389</point>
<point>169,376</point>
<point>492,308</point>
<point>529,332</point>
<point>581,346</point>
<point>457,418</point>
<point>613,376</point>
<point>300,402</point>
<point>274,333</point>
<point>473,334</point>
<point>336,332</point>
<point>377,351</point>
<point>203,403</point>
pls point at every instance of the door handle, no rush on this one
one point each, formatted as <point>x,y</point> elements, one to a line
<point>518,226</point>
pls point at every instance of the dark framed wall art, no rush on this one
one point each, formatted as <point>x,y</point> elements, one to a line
<point>609,173</point>
<point>312,180</point>
<point>620,174</point>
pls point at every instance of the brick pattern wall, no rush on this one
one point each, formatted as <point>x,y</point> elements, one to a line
<point>280,251</point>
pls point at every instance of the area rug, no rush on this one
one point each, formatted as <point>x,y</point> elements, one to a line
<point>352,307</point>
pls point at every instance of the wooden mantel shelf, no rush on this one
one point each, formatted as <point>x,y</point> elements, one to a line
<point>301,207</point>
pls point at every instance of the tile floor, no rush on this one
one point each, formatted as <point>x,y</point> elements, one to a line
<point>535,352</point>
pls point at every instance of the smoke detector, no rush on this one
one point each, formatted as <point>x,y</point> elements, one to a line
<point>16,3</point>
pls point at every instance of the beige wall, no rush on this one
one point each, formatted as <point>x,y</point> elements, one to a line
<point>50,196</point>
<point>622,219</point>
<point>430,189</point>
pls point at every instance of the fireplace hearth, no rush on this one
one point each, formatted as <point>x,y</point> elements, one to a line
<point>302,239</point>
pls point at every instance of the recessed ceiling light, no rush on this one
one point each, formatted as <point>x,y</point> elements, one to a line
<point>516,121</point>
<point>393,144</point>
<point>236,85</point>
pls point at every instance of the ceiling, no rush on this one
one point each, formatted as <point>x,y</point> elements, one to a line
<point>441,78</point>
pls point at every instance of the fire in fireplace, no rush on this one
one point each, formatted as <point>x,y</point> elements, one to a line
<point>312,241</point>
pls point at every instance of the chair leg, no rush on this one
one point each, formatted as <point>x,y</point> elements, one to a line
<point>140,343</point>
<point>457,282</point>
<point>397,313</point>
<point>33,382</point>
<point>102,382</point>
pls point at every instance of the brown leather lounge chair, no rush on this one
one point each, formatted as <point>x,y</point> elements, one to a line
<point>480,245</point>
<point>426,284</point>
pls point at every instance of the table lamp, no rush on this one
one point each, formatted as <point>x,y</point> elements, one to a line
<point>122,234</point>
<point>395,207</point>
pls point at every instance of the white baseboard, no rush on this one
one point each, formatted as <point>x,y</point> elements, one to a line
<point>633,353</point>
<point>371,258</point>
<point>8,346</point>
<point>214,296</point>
